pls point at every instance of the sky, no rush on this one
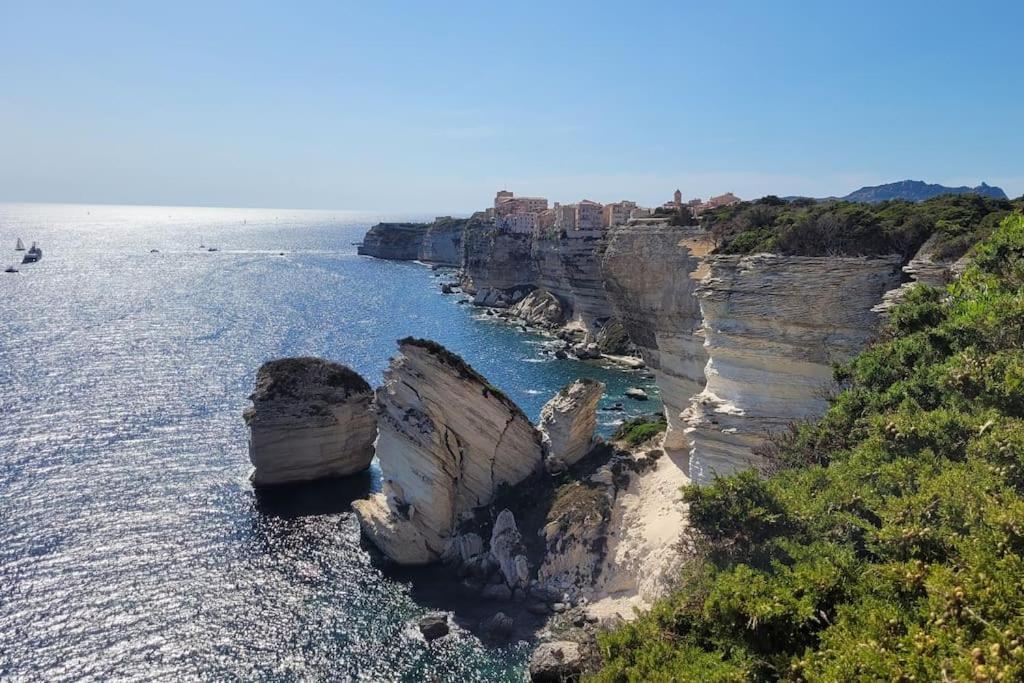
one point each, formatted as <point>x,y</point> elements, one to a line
<point>433,106</point>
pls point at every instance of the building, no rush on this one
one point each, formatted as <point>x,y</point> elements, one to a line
<point>565,217</point>
<point>677,198</point>
<point>588,215</point>
<point>523,223</point>
<point>546,219</point>
<point>727,199</point>
<point>616,213</point>
<point>506,204</point>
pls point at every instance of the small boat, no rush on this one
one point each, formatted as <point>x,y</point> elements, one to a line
<point>213,249</point>
<point>20,246</point>
<point>33,254</point>
<point>154,251</point>
<point>11,269</point>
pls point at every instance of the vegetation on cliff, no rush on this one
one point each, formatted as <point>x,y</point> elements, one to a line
<point>641,428</point>
<point>841,228</point>
<point>889,542</point>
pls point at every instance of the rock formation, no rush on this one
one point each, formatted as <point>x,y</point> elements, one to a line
<point>651,271</point>
<point>507,551</point>
<point>540,308</point>
<point>501,268</point>
<point>447,441</point>
<point>310,418</point>
<point>773,326</point>
<point>395,241</point>
<point>442,242</point>
<point>568,420</point>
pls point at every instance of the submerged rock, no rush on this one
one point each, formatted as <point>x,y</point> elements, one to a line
<point>447,441</point>
<point>636,394</point>
<point>310,419</point>
<point>568,420</point>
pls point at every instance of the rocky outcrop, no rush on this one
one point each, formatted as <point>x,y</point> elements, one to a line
<point>651,271</point>
<point>569,268</point>
<point>447,441</point>
<point>395,241</point>
<point>926,268</point>
<point>540,308</point>
<point>568,420</point>
<point>556,662</point>
<point>501,268</point>
<point>310,419</point>
<point>442,242</point>
<point>508,552</point>
<point>773,326</point>
<point>496,262</point>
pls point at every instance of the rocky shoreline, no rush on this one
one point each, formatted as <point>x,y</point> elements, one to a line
<point>544,529</point>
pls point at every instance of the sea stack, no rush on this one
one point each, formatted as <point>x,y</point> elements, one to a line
<point>448,440</point>
<point>568,420</point>
<point>310,419</point>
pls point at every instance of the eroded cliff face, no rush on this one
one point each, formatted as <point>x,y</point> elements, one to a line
<point>395,241</point>
<point>502,268</point>
<point>570,269</point>
<point>773,326</point>
<point>651,271</point>
<point>310,419</point>
<point>442,242</point>
<point>447,441</point>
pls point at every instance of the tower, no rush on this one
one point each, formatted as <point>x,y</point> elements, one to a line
<point>677,199</point>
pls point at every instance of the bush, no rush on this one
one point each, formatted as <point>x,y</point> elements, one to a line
<point>888,544</point>
<point>640,429</point>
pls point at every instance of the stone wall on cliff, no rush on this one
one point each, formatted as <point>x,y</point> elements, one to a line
<point>651,270</point>
<point>447,441</point>
<point>773,326</point>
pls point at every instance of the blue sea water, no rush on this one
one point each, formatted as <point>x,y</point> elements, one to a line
<point>132,546</point>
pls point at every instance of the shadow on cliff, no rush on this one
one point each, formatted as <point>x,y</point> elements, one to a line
<point>324,497</point>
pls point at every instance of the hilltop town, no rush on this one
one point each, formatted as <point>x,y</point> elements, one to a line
<point>532,215</point>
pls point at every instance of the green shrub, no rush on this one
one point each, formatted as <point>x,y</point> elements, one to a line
<point>888,544</point>
<point>640,429</point>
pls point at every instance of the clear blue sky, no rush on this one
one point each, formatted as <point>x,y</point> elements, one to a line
<point>431,106</point>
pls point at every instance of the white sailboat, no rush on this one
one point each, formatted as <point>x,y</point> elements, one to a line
<point>20,246</point>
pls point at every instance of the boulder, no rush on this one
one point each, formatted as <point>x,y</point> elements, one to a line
<point>568,420</point>
<point>540,308</point>
<point>497,591</point>
<point>448,440</point>
<point>507,550</point>
<point>556,662</point>
<point>434,626</point>
<point>310,419</point>
<point>498,625</point>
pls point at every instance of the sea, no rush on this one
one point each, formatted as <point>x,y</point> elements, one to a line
<point>132,545</point>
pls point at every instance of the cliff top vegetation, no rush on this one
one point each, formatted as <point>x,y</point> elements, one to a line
<point>889,542</point>
<point>804,227</point>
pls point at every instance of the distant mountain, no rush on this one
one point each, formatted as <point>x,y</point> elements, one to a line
<point>918,191</point>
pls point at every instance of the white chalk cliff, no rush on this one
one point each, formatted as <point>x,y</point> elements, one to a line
<point>568,420</point>
<point>773,326</point>
<point>651,272</point>
<point>447,441</point>
<point>310,419</point>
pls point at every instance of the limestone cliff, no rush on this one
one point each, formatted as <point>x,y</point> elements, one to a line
<point>651,270</point>
<point>310,419</point>
<point>568,420</point>
<point>501,268</point>
<point>442,242</point>
<point>447,441</point>
<point>395,241</point>
<point>773,326</point>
